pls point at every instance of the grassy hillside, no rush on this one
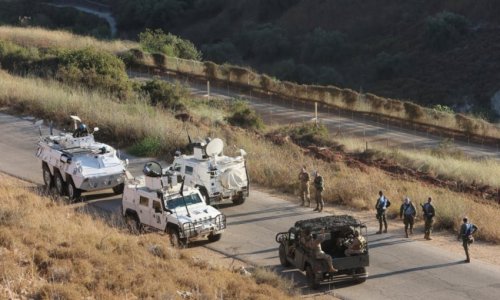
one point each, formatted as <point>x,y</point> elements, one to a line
<point>431,52</point>
<point>50,250</point>
<point>348,184</point>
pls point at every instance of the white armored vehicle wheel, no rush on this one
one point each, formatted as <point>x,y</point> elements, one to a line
<point>219,177</point>
<point>157,201</point>
<point>74,162</point>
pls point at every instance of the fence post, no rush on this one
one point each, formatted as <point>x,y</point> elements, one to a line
<point>208,88</point>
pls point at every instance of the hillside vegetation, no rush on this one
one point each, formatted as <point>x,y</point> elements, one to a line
<point>133,122</point>
<point>50,250</point>
<point>431,52</point>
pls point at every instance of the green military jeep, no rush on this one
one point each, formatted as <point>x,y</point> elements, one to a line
<point>339,234</point>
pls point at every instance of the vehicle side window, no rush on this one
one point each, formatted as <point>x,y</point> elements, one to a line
<point>157,206</point>
<point>177,167</point>
<point>144,201</point>
<point>189,170</point>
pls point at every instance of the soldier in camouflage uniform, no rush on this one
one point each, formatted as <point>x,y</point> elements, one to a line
<point>319,187</point>
<point>409,212</point>
<point>429,214</point>
<point>304,186</point>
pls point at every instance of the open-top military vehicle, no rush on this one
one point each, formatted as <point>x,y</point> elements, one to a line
<point>74,162</point>
<point>339,234</point>
<point>158,201</point>
<point>219,177</point>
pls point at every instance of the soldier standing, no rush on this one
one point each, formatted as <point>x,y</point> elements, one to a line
<point>429,213</point>
<point>466,231</point>
<point>319,187</point>
<point>304,186</point>
<point>382,204</point>
<point>409,212</point>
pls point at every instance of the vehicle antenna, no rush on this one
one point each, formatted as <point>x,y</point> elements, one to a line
<point>182,194</point>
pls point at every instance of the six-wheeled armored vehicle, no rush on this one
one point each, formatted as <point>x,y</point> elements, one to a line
<point>339,234</point>
<point>219,177</point>
<point>157,201</point>
<point>74,162</point>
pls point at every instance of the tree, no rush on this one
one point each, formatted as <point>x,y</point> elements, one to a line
<point>156,41</point>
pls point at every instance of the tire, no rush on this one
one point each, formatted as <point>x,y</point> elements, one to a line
<point>240,200</point>
<point>214,237</point>
<point>282,252</point>
<point>59,184</point>
<point>133,224</point>
<point>48,179</point>
<point>175,239</point>
<point>357,272</point>
<point>119,189</point>
<point>311,278</point>
<point>73,192</point>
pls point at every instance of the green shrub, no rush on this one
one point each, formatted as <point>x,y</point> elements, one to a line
<point>243,116</point>
<point>149,146</point>
<point>94,68</point>
<point>221,52</point>
<point>323,47</point>
<point>309,133</point>
<point>16,58</point>
<point>156,41</point>
<point>445,29</point>
<point>166,95</point>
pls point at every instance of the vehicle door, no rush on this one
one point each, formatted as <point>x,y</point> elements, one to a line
<point>158,219</point>
<point>144,209</point>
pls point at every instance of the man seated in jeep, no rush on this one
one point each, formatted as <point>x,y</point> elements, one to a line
<point>357,246</point>
<point>314,243</point>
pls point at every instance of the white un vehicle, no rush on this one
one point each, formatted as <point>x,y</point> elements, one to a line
<point>157,201</point>
<point>219,177</point>
<point>74,162</point>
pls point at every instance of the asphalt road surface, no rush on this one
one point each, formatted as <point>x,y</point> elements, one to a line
<point>275,111</point>
<point>399,268</point>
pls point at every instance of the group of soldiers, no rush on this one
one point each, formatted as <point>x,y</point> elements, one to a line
<point>408,213</point>
<point>319,187</point>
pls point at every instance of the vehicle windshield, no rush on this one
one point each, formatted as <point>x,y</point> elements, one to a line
<point>179,202</point>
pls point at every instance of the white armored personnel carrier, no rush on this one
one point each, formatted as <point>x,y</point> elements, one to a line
<point>157,201</point>
<point>219,177</point>
<point>74,162</point>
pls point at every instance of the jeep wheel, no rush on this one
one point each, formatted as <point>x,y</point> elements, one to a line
<point>73,192</point>
<point>360,275</point>
<point>214,237</point>
<point>59,184</point>
<point>175,239</point>
<point>311,278</point>
<point>48,179</point>
<point>133,224</point>
<point>282,252</point>
<point>118,189</point>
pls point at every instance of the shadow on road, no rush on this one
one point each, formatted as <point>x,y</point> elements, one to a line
<point>371,277</point>
<point>377,245</point>
<point>286,208</point>
<point>299,213</point>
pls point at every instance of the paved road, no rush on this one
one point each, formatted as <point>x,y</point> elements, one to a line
<point>275,111</point>
<point>399,268</point>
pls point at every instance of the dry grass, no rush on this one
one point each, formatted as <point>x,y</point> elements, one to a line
<point>43,38</point>
<point>269,165</point>
<point>51,100</point>
<point>50,251</point>
<point>437,162</point>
